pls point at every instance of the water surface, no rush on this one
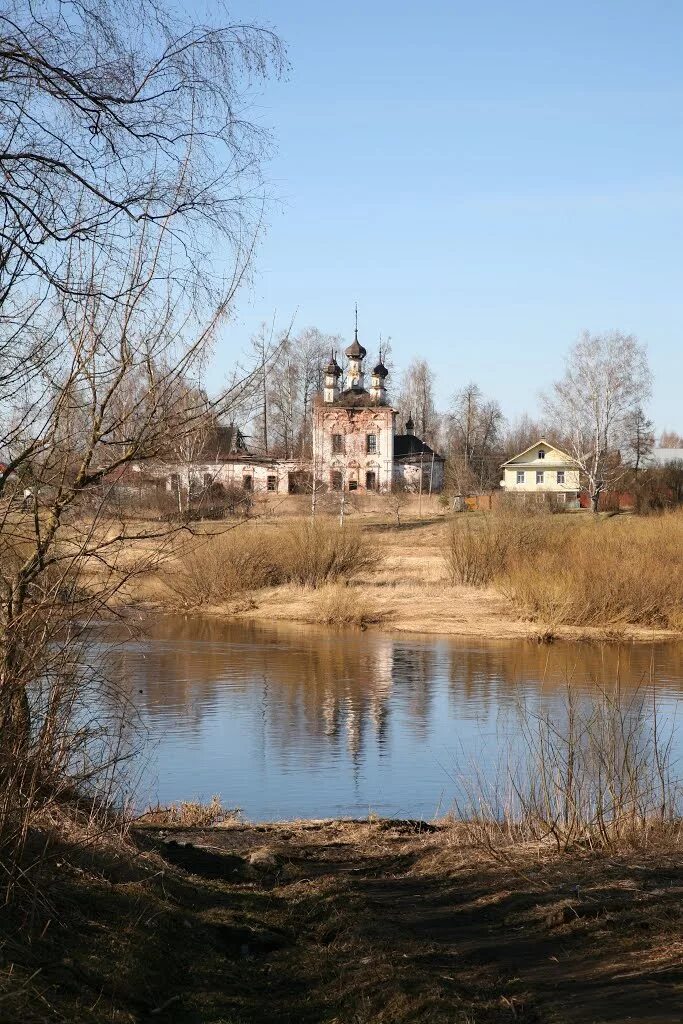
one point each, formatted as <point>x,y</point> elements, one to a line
<point>289,721</point>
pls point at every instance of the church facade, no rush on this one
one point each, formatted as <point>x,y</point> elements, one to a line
<point>356,447</point>
<point>355,444</point>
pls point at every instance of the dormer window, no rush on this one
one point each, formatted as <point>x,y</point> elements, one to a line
<point>541,453</point>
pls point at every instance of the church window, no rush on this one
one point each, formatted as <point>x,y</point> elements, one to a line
<point>272,483</point>
<point>336,480</point>
<point>371,480</point>
<point>338,444</point>
<point>353,485</point>
<point>371,443</point>
<point>246,482</point>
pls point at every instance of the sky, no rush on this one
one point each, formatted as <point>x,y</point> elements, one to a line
<point>485,179</point>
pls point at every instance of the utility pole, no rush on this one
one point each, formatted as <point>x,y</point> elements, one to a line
<point>419,510</point>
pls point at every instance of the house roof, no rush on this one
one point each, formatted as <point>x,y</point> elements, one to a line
<point>406,445</point>
<point>532,462</point>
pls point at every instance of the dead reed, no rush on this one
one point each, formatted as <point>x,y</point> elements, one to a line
<point>189,814</point>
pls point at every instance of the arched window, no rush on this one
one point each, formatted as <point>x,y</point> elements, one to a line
<point>541,453</point>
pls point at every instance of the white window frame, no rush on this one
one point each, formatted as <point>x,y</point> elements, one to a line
<point>539,477</point>
<point>560,476</point>
<point>520,476</point>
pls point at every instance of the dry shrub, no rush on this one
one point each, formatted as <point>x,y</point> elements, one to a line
<point>603,572</point>
<point>216,568</point>
<point>318,551</point>
<point>335,604</point>
<point>480,548</point>
<point>598,772</point>
<point>213,569</point>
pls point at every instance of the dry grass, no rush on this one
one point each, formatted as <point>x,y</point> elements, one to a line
<point>189,814</point>
<point>338,605</point>
<point>308,552</point>
<point>575,570</point>
<point>602,572</point>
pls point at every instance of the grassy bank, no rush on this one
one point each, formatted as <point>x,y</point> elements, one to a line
<point>302,923</point>
<point>502,575</point>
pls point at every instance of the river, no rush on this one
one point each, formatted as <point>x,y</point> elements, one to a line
<point>297,722</point>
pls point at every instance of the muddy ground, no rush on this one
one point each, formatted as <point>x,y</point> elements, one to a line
<point>347,923</point>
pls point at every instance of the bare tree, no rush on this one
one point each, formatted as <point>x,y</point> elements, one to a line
<point>474,426</point>
<point>605,380</point>
<point>416,399</point>
<point>671,439</point>
<point>126,160</point>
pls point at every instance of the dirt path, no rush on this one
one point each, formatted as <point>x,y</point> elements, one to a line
<point>344,922</point>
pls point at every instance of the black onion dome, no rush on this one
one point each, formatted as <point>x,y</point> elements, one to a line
<point>381,370</point>
<point>333,368</point>
<point>356,350</point>
<point>409,424</point>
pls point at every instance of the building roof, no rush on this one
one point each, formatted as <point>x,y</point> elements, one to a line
<point>517,460</point>
<point>380,370</point>
<point>356,398</point>
<point>406,445</point>
<point>663,456</point>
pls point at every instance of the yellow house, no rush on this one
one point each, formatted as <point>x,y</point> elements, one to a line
<point>542,469</point>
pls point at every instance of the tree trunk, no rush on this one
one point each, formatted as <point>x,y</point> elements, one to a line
<point>595,500</point>
<point>15,721</point>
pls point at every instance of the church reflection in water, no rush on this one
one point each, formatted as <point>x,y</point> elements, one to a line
<point>297,699</point>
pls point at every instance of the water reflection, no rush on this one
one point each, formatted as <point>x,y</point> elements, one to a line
<point>293,722</point>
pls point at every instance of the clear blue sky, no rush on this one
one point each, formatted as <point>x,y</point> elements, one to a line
<point>484,178</point>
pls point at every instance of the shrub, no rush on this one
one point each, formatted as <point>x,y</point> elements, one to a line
<point>336,604</point>
<point>216,568</point>
<point>623,570</point>
<point>479,548</point>
<point>597,772</point>
<point>317,551</point>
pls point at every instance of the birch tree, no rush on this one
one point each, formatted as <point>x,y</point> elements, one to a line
<point>606,379</point>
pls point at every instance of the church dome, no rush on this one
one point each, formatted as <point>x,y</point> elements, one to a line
<point>333,368</point>
<point>380,370</point>
<point>356,350</point>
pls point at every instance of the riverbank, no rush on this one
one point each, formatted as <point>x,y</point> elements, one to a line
<point>386,921</point>
<point>404,587</point>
